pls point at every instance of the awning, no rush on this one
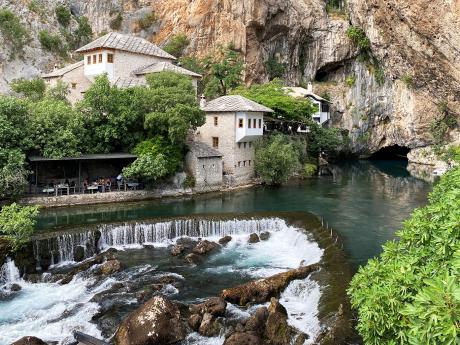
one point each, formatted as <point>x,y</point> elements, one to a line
<point>94,157</point>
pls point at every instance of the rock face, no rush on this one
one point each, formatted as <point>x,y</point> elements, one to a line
<point>262,290</point>
<point>414,41</point>
<point>156,322</point>
<point>205,247</point>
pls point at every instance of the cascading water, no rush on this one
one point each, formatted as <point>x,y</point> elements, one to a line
<point>9,273</point>
<point>52,311</point>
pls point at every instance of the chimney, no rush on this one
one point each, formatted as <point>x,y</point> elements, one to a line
<point>310,87</point>
<point>202,101</point>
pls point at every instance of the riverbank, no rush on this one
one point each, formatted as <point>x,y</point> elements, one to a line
<point>122,197</point>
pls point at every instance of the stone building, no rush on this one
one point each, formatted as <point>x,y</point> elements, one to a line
<point>233,124</point>
<point>205,164</point>
<point>124,58</point>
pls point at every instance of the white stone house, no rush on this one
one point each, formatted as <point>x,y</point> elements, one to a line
<point>323,114</point>
<point>233,124</point>
<point>124,58</point>
<point>205,164</point>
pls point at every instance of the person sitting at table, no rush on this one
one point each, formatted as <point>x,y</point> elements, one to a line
<point>67,182</point>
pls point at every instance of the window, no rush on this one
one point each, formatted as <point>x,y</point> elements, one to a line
<point>110,58</point>
<point>215,142</point>
<point>94,59</point>
<point>239,145</point>
<point>239,164</point>
<point>260,123</point>
<point>244,145</point>
<point>254,123</point>
<point>244,163</point>
<point>250,144</point>
<point>249,162</point>
<point>325,107</point>
<point>240,123</point>
<point>88,59</point>
<point>216,121</point>
<point>100,58</point>
<point>74,85</point>
<point>249,123</point>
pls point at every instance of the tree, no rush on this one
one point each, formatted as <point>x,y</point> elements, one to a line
<point>59,92</point>
<point>276,160</point>
<point>17,223</point>
<point>33,89</point>
<point>411,293</point>
<point>13,174</point>
<point>225,72</point>
<point>14,124</point>
<point>63,15</point>
<point>173,107</point>
<point>273,95</point>
<point>322,139</point>
<point>176,45</point>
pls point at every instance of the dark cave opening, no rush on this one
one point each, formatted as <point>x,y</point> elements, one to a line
<point>394,152</point>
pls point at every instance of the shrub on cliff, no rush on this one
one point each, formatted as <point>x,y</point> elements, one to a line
<point>63,15</point>
<point>13,30</point>
<point>17,223</point>
<point>411,293</point>
<point>176,45</point>
<point>276,159</point>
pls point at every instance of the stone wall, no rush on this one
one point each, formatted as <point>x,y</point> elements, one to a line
<point>207,171</point>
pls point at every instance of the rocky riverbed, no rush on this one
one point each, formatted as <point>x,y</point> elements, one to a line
<point>261,280</point>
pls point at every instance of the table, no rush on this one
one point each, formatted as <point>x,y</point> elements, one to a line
<point>62,187</point>
<point>131,185</point>
<point>93,188</point>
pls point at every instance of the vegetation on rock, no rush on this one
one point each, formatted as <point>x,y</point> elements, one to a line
<point>176,45</point>
<point>63,15</point>
<point>411,293</point>
<point>17,223</point>
<point>13,30</point>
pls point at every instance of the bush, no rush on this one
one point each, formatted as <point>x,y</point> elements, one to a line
<point>84,33</point>
<point>359,38</point>
<point>274,68</point>
<point>408,80</point>
<point>17,223</point>
<point>63,15</point>
<point>13,30</point>
<point>379,74</point>
<point>350,80</point>
<point>190,181</point>
<point>115,23</point>
<point>276,159</point>
<point>33,89</point>
<point>50,42</point>
<point>411,293</point>
<point>309,170</point>
<point>176,45</point>
<point>147,20</point>
<point>13,174</point>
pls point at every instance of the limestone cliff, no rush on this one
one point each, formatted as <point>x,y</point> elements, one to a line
<point>415,43</point>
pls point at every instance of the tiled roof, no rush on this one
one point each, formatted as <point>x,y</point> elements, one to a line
<point>133,44</point>
<point>60,72</point>
<point>301,92</point>
<point>157,67</point>
<point>125,83</point>
<point>234,103</point>
<point>202,150</point>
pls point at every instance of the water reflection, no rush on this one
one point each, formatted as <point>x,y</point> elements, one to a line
<point>364,201</point>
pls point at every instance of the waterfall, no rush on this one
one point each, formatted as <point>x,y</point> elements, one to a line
<point>9,273</point>
<point>165,232</point>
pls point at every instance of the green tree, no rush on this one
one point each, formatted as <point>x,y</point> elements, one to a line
<point>15,126</point>
<point>274,96</point>
<point>13,30</point>
<point>323,139</point>
<point>225,72</point>
<point>13,174</point>
<point>276,159</point>
<point>274,68</point>
<point>17,223</point>
<point>33,89</point>
<point>176,45</point>
<point>410,294</point>
<point>51,42</point>
<point>59,92</point>
<point>63,15</point>
<point>83,34</point>
<point>173,107</point>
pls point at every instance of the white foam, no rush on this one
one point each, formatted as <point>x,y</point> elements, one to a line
<point>9,273</point>
<point>196,339</point>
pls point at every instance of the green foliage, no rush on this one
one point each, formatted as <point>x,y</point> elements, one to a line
<point>173,109</point>
<point>36,7</point>
<point>83,34</point>
<point>410,294</point>
<point>160,146</point>
<point>147,20</point>
<point>115,23</point>
<point>51,42</point>
<point>63,15</point>
<point>408,80</point>
<point>274,68</point>
<point>335,6</point>
<point>309,169</point>
<point>33,89</point>
<point>453,154</point>
<point>364,137</point>
<point>13,174</point>
<point>14,125</point>
<point>176,45</point>
<point>350,80</point>
<point>275,97</point>
<point>58,92</point>
<point>189,182</point>
<point>321,139</point>
<point>13,30</point>
<point>193,64</point>
<point>379,74</point>
<point>359,38</point>
<point>17,223</point>
<point>225,72</point>
<point>276,159</point>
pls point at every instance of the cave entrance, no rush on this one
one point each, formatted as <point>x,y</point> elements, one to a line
<point>394,152</point>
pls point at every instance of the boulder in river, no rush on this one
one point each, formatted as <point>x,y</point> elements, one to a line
<point>15,287</point>
<point>205,247</point>
<point>157,322</point>
<point>256,323</point>
<point>224,240</point>
<point>177,249</point>
<point>277,329</point>
<point>210,326</point>
<point>110,267</point>
<point>194,321</point>
<point>192,259</point>
<point>79,253</point>
<point>240,338</point>
<point>29,341</point>
<point>215,306</point>
<point>264,236</point>
<point>253,238</point>
<point>260,291</point>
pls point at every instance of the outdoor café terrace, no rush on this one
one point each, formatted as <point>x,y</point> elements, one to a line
<point>95,173</point>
